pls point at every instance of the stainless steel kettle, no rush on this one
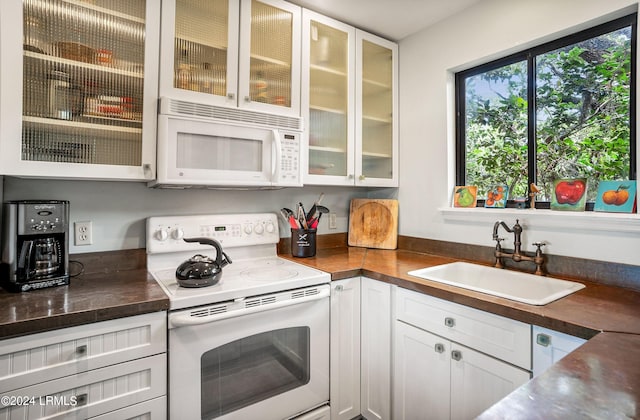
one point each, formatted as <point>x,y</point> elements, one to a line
<point>200,270</point>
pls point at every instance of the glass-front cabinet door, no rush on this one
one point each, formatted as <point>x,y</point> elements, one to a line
<point>376,111</point>
<point>328,99</point>
<point>232,53</point>
<point>270,39</point>
<point>199,54</point>
<point>78,83</point>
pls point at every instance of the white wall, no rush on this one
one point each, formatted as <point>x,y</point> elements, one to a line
<point>428,59</point>
<point>118,210</point>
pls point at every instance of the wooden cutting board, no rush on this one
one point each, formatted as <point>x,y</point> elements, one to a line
<point>373,223</point>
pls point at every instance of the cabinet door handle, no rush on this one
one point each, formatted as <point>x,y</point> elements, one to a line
<point>439,348</point>
<point>543,340</point>
<point>456,355</point>
<point>450,322</point>
<point>247,99</point>
<point>82,399</point>
<point>339,288</point>
<point>146,169</point>
<point>361,178</point>
<point>81,350</point>
<point>231,95</point>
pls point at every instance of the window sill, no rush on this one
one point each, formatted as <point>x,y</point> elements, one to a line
<point>564,220</point>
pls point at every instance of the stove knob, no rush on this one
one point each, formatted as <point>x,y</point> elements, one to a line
<point>162,235</point>
<point>259,229</point>
<point>270,227</point>
<point>177,234</point>
<point>248,229</point>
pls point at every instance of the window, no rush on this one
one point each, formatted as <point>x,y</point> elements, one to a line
<point>565,109</point>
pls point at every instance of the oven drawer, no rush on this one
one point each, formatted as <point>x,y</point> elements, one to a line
<point>36,358</point>
<point>91,393</point>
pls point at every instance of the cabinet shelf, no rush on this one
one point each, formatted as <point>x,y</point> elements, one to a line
<point>73,126</point>
<point>327,149</point>
<point>373,87</point>
<point>325,109</point>
<point>87,5</point>
<point>374,120</point>
<point>377,155</point>
<point>80,64</point>
<point>201,42</point>
<point>270,60</point>
<point>318,68</point>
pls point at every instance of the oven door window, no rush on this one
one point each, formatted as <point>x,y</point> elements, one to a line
<point>253,369</point>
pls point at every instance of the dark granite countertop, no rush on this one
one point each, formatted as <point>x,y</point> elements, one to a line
<point>599,380</point>
<point>89,298</point>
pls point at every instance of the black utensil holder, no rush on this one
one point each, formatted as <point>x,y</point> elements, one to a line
<point>303,242</point>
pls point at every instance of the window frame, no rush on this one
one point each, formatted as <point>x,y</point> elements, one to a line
<point>529,56</point>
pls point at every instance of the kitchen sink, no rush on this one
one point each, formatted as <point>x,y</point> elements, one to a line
<point>514,285</point>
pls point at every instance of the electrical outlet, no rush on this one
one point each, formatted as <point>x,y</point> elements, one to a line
<point>83,234</point>
<point>333,223</point>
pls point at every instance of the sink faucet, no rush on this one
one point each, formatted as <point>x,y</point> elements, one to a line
<point>517,255</point>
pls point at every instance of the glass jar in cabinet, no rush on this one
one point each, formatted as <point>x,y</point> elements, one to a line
<point>231,53</point>
<point>328,97</point>
<point>78,84</point>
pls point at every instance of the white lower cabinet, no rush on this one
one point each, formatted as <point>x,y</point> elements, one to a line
<point>360,349</point>
<point>375,339</point>
<point>550,346</point>
<point>437,377</point>
<point>345,349</point>
<point>87,371</point>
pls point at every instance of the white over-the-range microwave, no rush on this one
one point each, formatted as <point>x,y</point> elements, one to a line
<point>202,146</point>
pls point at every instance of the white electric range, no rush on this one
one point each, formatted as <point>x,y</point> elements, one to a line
<point>256,344</point>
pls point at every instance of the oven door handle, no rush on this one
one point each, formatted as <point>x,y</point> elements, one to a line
<point>185,319</point>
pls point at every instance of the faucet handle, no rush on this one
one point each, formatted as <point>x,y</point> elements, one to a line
<point>539,245</point>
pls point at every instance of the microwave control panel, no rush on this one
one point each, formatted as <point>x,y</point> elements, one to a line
<point>290,168</point>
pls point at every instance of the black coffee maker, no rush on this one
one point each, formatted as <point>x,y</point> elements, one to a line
<point>35,245</point>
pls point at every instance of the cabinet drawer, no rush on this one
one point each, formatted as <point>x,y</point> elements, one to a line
<point>155,409</point>
<point>495,335</point>
<point>91,393</point>
<point>45,356</point>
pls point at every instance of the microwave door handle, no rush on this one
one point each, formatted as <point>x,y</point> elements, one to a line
<point>275,175</point>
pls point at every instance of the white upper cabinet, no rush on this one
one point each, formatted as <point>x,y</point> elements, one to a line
<point>199,51</point>
<point>328,97</point>
<point>376,111</point>
<point>349,99</point>
<point>78,88</point>
<point>232,53</point>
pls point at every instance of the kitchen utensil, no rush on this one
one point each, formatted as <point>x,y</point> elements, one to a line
<point>302,217</point>
<point>290,218</point>
<point>373,223</point>
<point>312,211</point>
<point>200,270</point>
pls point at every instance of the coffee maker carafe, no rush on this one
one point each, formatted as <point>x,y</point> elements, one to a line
<point>35,245</point>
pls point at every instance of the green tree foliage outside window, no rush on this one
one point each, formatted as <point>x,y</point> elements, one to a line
<point>582,97</point>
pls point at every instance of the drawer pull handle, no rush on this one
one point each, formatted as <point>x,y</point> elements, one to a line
<point>82,399</point>
<point>450,322</point>
<point>543,340</point>
<point>439,348</point>
<point>456,355</point>
<point>81,350</point>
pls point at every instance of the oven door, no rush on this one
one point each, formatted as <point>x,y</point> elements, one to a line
<point>265,357</point>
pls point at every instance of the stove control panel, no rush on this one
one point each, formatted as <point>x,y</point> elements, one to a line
<point>166,234</point>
